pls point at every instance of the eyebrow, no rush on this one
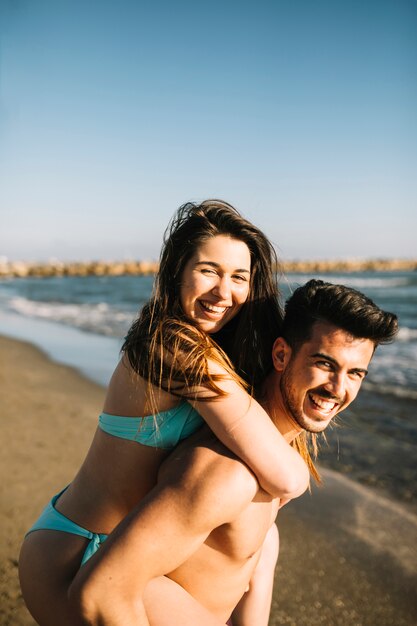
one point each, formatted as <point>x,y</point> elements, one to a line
<point>321,355</point>
<point>217,265</point>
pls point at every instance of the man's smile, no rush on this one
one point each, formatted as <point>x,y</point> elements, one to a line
<point>323,402</point>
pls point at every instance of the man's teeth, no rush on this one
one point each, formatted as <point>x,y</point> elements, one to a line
<point>213,308</point>
<point>324,405</point>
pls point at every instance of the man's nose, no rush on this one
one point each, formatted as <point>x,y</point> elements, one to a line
<point>337,385</point>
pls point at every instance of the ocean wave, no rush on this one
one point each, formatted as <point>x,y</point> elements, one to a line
<point>390,389</point>
<point>395,366</point>
<point>407,334</point>
<point>99,318</point>
<point>363,282</point>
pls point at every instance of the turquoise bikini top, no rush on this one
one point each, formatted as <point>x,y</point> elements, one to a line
<point>163,430</point>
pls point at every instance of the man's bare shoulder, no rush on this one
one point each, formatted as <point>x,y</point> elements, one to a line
<point>211,474</point>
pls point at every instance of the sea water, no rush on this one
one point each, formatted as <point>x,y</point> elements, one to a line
<point>82,322</point>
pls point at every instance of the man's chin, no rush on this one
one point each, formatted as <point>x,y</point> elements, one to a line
<point>311,425</point>
<point>316,429</point>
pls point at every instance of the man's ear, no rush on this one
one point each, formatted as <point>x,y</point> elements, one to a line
<point>281,353</point>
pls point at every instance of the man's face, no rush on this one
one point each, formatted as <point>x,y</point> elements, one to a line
<point>324,375</point>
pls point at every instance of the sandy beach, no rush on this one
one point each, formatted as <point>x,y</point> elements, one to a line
<point>348,555</point>
<point>48,417</point>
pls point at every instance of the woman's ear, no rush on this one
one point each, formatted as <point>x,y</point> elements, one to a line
<point>281,353</point>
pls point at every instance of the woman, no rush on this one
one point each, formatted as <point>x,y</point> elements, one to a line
<point>194,354</point>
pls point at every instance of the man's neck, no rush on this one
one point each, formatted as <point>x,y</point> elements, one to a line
<point>272,401</point>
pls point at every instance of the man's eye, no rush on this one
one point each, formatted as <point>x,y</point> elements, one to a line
<point>325,364</point>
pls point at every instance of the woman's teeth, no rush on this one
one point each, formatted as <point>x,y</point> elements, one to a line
<point>212,307</point>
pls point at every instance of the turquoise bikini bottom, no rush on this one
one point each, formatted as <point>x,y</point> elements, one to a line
<point>51,519</point>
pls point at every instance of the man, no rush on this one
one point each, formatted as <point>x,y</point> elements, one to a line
<point>205,524</point>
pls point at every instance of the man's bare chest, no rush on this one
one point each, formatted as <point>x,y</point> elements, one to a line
<point>242,537</point>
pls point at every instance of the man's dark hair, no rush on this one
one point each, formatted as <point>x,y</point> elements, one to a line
<point>341,306</point>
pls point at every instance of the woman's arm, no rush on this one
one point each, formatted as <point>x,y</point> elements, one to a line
<point>244,427</point>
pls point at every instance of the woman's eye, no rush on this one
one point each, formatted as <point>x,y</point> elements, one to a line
<point>239,278</point>
<point>208,270</point>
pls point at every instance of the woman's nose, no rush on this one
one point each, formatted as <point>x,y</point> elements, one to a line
<point>223,288</point>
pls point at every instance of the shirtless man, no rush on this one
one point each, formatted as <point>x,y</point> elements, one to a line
<point>205,524</point>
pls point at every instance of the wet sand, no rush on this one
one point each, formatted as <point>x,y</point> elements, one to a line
<point>348,556</point>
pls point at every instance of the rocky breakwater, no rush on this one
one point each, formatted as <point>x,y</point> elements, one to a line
<point>351,265</point>
<point>25,269</point>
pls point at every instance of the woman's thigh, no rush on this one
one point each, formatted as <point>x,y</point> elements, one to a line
<point>48,562</point>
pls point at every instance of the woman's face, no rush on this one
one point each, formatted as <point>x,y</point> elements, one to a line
<point>215,282</point>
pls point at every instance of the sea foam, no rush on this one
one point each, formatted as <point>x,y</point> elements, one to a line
<point>99,318</point>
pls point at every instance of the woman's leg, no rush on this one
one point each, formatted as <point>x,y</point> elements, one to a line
<point>48,562</point>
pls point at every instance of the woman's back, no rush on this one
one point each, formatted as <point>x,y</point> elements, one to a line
<point>119,470</point>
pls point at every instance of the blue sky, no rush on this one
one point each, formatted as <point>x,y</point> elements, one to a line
<point>300,113</point>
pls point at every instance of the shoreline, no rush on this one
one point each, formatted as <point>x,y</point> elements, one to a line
<point>94,356</point>
<point>345,548</point>
<point>29,269</point>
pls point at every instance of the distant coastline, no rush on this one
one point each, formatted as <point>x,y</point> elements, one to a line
<point>25,269</point>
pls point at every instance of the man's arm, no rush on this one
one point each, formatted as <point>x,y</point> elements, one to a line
<point>255,605</point>
<point>168,604</point>
<point>196,494</point>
